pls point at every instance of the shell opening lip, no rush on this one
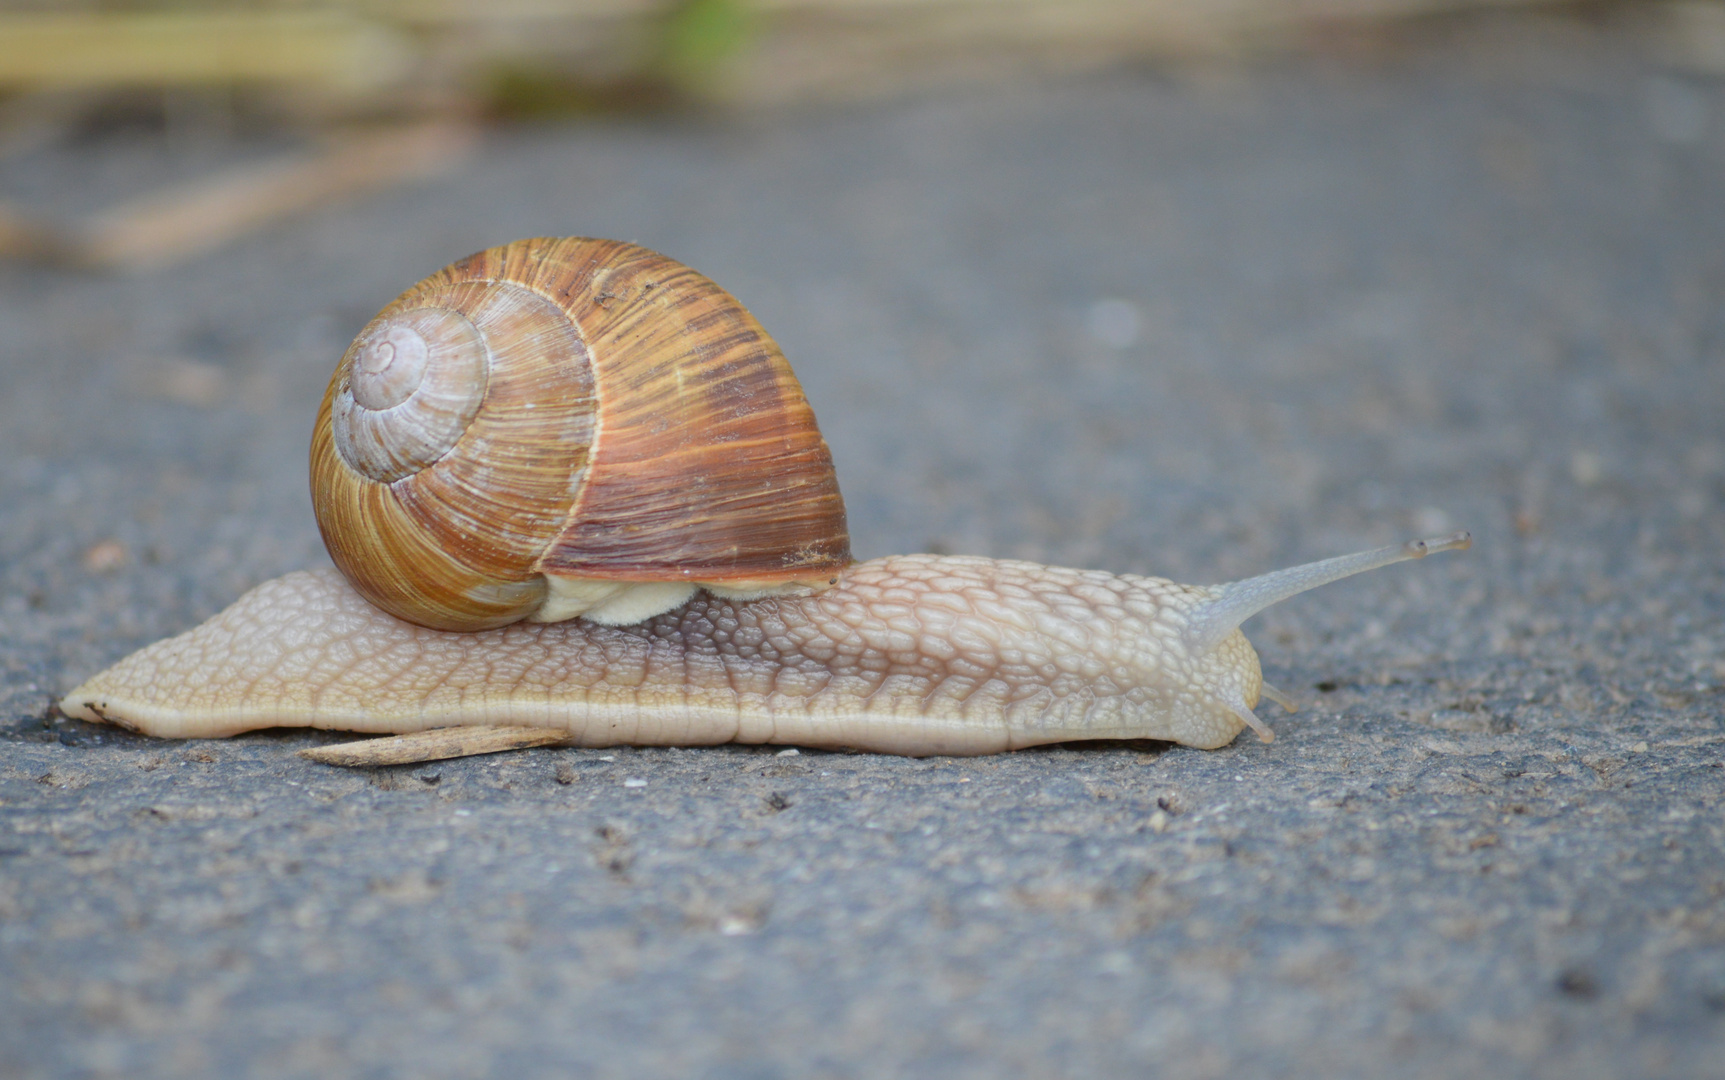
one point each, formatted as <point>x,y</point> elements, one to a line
<point>815,576</point>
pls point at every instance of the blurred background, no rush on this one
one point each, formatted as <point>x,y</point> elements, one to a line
<point>308,60</point>
<point>393,89</point>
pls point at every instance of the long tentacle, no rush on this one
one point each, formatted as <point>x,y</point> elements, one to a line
<point>1238,601</point>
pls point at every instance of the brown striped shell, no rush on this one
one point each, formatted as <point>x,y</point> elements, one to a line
<point>562,427</point>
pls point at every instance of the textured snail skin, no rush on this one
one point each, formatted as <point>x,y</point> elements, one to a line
<point>911,654</point>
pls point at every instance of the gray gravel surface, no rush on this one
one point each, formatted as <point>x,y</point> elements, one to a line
<point>1198,325</point>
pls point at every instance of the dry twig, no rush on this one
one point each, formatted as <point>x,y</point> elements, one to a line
<point>434,745</point>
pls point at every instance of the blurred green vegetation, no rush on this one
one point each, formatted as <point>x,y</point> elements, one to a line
<point>686,53</point>
<point>560,58</point>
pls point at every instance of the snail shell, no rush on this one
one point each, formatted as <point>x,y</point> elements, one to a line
<point>570,427</point>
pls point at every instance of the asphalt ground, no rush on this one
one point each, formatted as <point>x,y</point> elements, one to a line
<point>1195,323</point>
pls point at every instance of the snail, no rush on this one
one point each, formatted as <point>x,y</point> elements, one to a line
<point>574,494</point>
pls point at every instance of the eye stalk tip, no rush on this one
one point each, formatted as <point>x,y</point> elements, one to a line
<point>1419,549</point>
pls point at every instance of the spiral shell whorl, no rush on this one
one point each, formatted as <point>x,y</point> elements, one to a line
<point>439,507</point>
<point>414,381</point>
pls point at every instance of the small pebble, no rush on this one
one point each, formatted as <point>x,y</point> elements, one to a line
<point>1115,963</point>
<point>1586,468</point>
<point>104,557</point>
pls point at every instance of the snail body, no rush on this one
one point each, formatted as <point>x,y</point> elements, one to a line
<point>636,437</point>
<point>911,654</point>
